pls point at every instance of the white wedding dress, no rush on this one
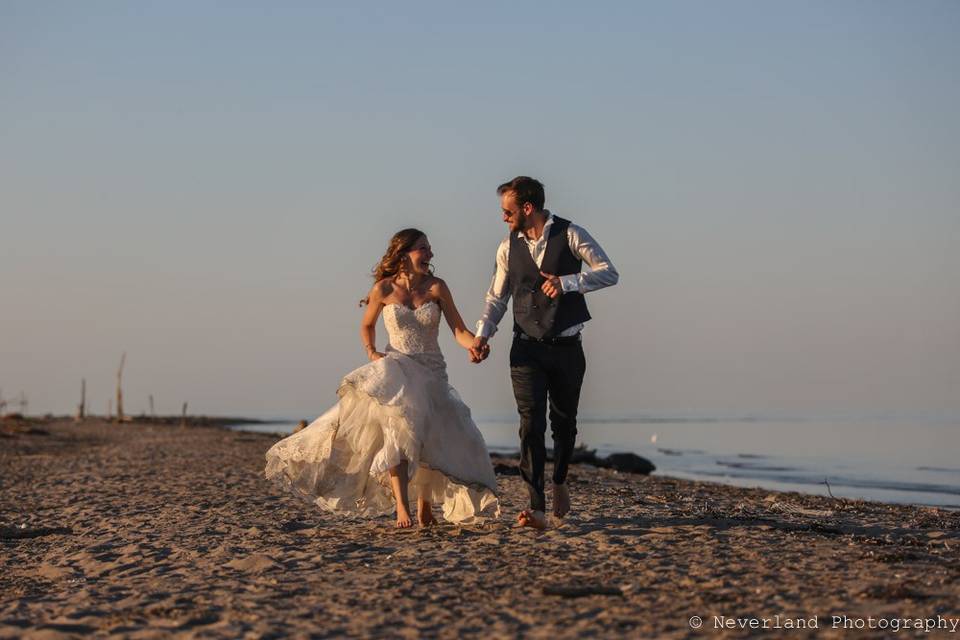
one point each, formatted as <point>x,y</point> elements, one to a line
<point>400,407</point>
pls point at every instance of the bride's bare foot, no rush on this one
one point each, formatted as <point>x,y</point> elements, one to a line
<point>398,482</point>
<point>530,518</point>
<point>561,500</point>
<point>403,518</point>
<point>425,515</point>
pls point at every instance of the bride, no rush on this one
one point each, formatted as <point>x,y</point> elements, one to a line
<point>400,432</point>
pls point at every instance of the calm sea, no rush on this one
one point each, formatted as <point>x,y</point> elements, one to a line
<point>889,457</point>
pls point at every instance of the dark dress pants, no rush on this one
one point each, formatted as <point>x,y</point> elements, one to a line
<point>546,375</point>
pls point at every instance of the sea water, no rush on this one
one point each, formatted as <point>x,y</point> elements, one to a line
<point>902,458</point>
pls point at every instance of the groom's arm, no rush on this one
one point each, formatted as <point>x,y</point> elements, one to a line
<point>601,272</point>
<point>495,304</point>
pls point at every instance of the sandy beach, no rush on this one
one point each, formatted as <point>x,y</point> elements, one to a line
<point>142,531</point>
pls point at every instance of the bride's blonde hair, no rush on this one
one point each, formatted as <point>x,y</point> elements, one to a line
<point>391,264</point>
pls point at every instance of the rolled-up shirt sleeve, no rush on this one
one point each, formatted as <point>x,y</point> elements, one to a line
<point>601,272</point>
<point>495,304</point>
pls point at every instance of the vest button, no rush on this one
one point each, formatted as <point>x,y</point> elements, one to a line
<point>535,307</point>
<point>536,322</point>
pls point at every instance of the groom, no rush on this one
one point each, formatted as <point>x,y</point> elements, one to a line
<point>539,264</point>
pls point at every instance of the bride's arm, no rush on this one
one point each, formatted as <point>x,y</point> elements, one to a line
<point>463,336</point>
<point>368,325</point>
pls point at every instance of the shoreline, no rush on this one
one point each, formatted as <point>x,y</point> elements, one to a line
<point>876,478</point>
<point>150,530</point>
<point>770,483</point>
<point>13,419</point>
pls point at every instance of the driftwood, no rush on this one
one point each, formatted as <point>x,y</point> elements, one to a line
<point>82,407</point>
<point>123,361</point>
<point>23,402</point>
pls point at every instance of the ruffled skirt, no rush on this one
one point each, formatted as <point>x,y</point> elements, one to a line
<point>397,408</point>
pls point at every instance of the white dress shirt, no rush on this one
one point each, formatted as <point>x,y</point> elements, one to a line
<point>601,273</point>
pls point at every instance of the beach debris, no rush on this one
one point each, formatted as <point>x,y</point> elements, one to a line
<point>627,462</point>
<point>580,454</point>
<point>506,469</point>
<point>580,591</point>
<point>22,531</point>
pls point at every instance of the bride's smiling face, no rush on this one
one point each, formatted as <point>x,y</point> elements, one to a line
<point>420,255</point>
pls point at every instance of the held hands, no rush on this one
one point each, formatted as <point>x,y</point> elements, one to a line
<point>552,287</point>
<point>480,350</point>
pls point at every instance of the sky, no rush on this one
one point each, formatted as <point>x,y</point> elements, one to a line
<point>207,185</point>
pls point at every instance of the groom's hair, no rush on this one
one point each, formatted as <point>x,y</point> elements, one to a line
<point>525,189</point>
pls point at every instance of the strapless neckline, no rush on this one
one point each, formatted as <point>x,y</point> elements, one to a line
<point>414,309</point>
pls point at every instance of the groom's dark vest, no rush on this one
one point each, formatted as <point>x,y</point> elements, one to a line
<point>534,312</point>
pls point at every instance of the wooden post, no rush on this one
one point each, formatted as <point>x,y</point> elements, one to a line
<point>109,409</point>
<point>152,414</point>
<point>82,408</point>
<point>123,360</point>
<point>183,415</point>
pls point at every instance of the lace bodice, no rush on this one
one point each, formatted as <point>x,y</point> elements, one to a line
<point>413,331</point>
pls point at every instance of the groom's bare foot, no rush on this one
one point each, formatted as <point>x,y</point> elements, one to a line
<point>403,517</point>
<point>531,518</point>
<point>561,500</point>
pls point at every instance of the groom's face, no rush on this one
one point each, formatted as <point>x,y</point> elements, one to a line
<point>513,214</point>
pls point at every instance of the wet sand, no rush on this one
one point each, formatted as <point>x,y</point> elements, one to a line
<point>144,531</point>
